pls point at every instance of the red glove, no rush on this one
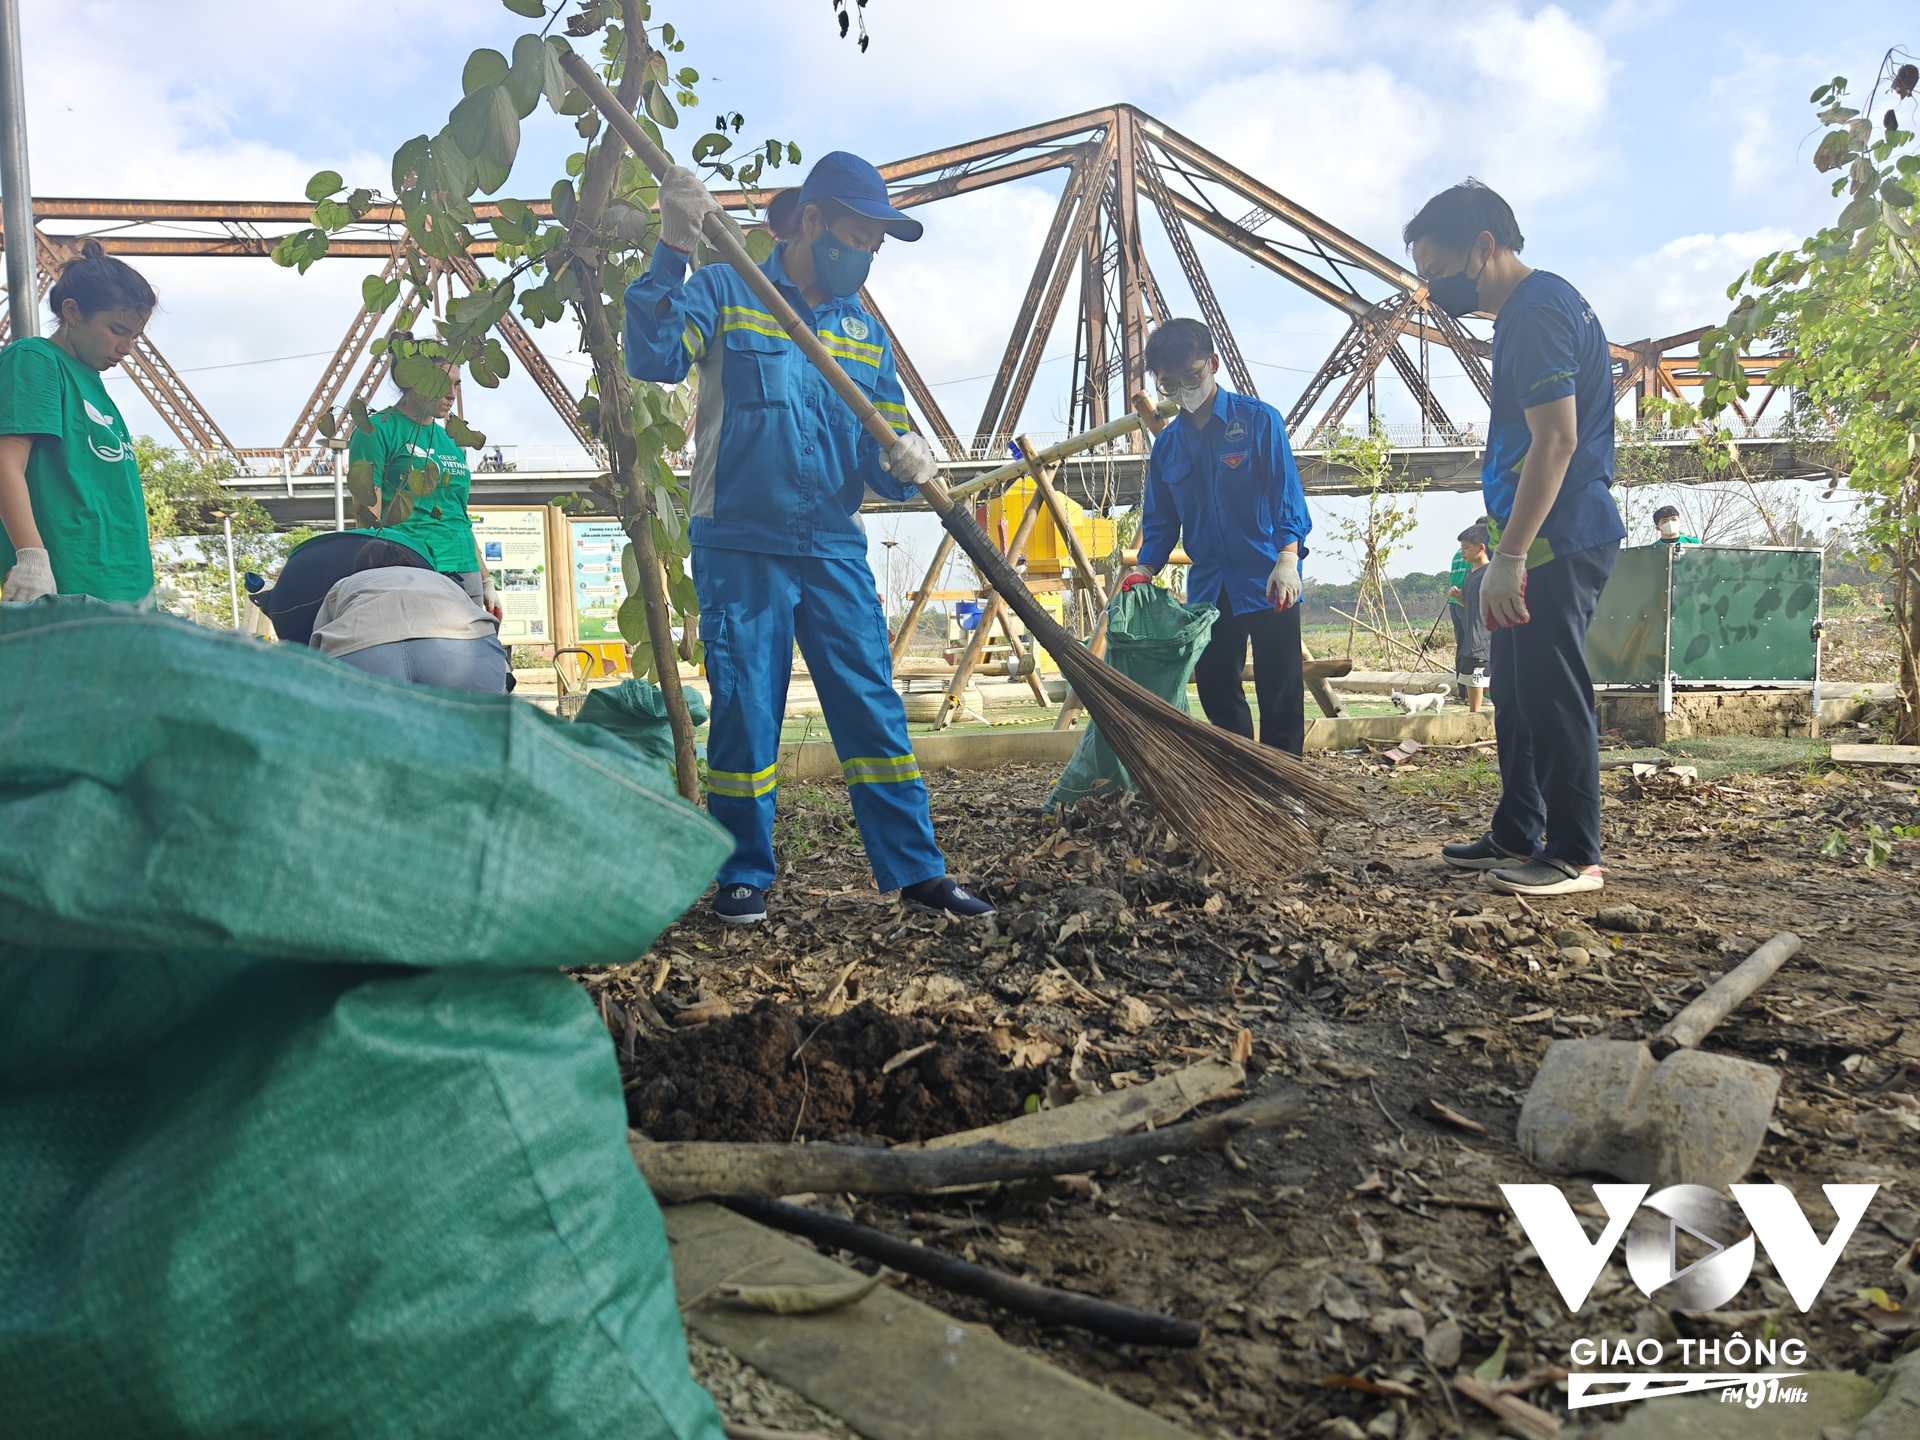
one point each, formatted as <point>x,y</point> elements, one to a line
<point>1134,578</point>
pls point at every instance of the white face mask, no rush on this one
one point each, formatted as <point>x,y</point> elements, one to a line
<point>1191,397</point>
<point>1669,527</point>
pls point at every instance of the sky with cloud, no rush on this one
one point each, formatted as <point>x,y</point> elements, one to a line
<point>1650,149</point>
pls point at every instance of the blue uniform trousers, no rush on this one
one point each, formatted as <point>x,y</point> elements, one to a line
<point>753,607</point>
<point>1543,716</point>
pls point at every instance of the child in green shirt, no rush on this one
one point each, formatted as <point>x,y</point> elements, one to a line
<point>73,520</point>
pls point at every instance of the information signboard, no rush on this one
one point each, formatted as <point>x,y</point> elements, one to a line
<point>598,587</point>
<point>514,545</point>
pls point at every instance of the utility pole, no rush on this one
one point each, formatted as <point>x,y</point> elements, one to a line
<point>16,193</point>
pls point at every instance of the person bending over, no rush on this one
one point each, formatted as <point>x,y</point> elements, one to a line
<point>396,617</point>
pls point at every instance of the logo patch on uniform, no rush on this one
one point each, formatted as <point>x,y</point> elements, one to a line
<point>854,327</point>
<point>1237,431</point>
<point>1234,461</point>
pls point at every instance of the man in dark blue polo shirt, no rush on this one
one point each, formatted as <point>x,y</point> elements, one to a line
<point>1223,476</point>
<point>1547,479</point>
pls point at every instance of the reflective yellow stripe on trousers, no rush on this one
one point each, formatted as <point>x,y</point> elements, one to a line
<point>741,786</point>
<point>880,769</point>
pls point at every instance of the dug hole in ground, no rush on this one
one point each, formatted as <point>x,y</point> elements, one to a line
<point>1348,1268</point>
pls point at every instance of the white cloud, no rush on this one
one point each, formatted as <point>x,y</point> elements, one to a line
<point>1679,286</point>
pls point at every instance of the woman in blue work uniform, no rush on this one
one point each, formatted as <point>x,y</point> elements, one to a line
<point>780,468</point>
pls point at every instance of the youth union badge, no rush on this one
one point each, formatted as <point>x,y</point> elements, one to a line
<point>855,327</point>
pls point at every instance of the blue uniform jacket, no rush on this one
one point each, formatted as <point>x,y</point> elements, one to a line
<point>780,465</point>
<point>1232,490</point>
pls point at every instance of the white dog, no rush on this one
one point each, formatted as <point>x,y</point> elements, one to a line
<point>1415,704</point>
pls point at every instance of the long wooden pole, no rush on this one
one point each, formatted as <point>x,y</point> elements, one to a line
<point>904,636</point>
<point>970,657</point>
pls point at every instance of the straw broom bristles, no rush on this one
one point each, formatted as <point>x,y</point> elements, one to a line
<point>1249,807</point>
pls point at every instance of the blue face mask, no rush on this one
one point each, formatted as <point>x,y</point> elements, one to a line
<point>839,268</point>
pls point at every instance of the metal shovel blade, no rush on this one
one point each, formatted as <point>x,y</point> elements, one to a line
<point>1608,1106</point>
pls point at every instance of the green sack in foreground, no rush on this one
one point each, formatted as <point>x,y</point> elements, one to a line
<point>333,1200</point>
<point>1156,641</point>
<point>636,711</point>
<point>261,1172</point>
<point>168,787</point>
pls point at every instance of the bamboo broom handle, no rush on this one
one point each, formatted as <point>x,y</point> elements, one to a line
<point>718,231</point>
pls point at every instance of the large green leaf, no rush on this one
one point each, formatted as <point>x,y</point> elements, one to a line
<point>463,434</point>
<point>469,121</point>
<point>529,72</point>
<point>425,480</point>
<point>326,424</point>
<point>554,82</point>
<point>327,182</point>
<point>531,9</point>
<point>487,177</point>
<point>408,161</point>
<point>760,245</point>
<point>630,569</point>
<point>484,67</point>
<point>1863,211</point>
<point>711,144</point>
<point>398,509</point>
<point>409,371</point>
<point>503,130</point>
<point>633,620</point>
<point>660,108</point>
<point>1833,151</point>
<point>360,481</point>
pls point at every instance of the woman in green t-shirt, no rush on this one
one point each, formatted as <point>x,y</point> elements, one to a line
<point>405,437</point>
<point>73,520</point>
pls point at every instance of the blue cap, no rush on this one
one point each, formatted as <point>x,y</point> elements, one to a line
<point>857,185</point>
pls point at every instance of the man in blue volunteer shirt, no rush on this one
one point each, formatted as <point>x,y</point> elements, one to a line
<point>780,467</point>
<point>1223,476</point>
<point>1547,479</point>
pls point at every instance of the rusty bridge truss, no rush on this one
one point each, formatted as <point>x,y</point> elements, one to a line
<point>1113,159</point>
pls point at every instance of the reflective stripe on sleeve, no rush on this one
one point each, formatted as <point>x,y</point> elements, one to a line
<point>894,415</point>
<point>740,786</point>
<point>880,769</point>
<point>694,341</point>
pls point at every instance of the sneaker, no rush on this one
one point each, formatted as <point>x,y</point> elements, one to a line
<point>946,895</point>
<point>740,904</point>
<point>1543,876</point>
<point>1481,854</point>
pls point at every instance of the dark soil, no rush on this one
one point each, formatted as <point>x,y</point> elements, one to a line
<point>1375,982</point>
<point>774,1075</point>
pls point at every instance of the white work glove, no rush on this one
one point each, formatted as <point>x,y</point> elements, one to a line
<point>911,460</point>
<point>684,206</point>
<point>1283,585</point>
<point>489,594</point>
<point>1503,593</point>
<point>30,578</point>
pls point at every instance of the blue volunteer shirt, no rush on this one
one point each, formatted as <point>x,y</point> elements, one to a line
<point>1231,489</point>
<point>1547,344</point>
<point>780,465</point>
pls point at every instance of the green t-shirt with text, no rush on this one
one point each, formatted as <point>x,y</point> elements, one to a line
<point>82,478</point>
<point>400,444</point>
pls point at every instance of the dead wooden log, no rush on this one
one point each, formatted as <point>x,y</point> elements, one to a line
<point>1022,1297</point>
<point>680,1171</point>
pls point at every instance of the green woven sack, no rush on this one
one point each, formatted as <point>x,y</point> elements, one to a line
<point>636,711</point>
<point>168,787</point>
<point>1155,640</point>
<point>250,1195</point>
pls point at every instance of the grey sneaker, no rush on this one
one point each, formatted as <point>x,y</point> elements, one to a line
<point>1481,854</point>
<point>1543,876</point>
